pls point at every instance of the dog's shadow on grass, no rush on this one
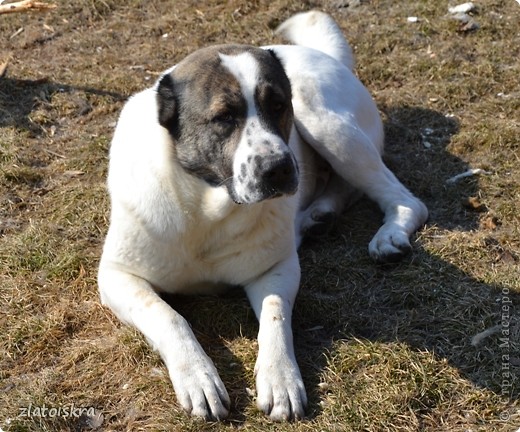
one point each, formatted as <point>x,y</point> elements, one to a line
<point>21,98</point>
<point>424,302</point>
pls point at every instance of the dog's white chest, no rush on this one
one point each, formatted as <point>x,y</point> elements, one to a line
<point>209,254</point>
<point>234,251</point>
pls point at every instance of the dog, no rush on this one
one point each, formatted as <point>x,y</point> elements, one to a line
<point>216,174</point>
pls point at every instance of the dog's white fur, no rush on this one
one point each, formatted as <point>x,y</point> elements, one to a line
<point>172,232</point>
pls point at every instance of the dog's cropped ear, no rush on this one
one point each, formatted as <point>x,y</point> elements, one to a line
<point>276,58</point>
<point>280,64</point>
<point>166,101</point>
<point>270,51</point>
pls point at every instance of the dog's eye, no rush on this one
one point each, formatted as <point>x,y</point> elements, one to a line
<point>225,118</point>
<point>277,106</point>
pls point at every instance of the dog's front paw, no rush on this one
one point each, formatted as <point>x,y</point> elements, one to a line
<point>280,390</point>
<point>390,244</point>
<point>199,389</point>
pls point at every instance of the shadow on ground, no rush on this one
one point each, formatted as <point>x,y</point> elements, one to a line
<point>424,302</point>
<point>21,98</point>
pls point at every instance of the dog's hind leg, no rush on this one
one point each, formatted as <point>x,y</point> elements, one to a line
<point>357,159</point>
<point>318,217</point>
<point>403,214</point>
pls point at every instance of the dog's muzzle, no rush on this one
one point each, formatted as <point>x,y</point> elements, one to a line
<point>278,176</point>
<point>264,177</point>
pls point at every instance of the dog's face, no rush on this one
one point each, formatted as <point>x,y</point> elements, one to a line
<point>228,110</point>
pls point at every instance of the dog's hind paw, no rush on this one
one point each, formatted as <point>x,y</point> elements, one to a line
<point>390,244</point>
<point>318,224</point>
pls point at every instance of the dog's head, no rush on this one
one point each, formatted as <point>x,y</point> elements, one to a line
<point>228,110</point>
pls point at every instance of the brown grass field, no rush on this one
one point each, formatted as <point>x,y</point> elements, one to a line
<point>429,344</point>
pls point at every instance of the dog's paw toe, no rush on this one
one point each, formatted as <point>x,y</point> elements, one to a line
<point>389,245</point>
<point>201,393</point>
<point>281,406</point>
<point>210,407</point>
<point>281,396</point>
<point>205,404</point>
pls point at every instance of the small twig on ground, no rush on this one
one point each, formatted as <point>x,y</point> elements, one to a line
<point>468,173</point>
<point>24,6</point>
<point>475,340</point>
<point>55,154</point>
<point>3,65</point>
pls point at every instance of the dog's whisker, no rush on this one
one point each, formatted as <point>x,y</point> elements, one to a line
<point>226,180</point>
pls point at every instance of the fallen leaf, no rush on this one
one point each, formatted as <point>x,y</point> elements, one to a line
<point>472,203</point>
<point>489,222</point>
<point>507,257</point>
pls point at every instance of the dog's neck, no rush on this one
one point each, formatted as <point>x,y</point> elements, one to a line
<point>216,203</point>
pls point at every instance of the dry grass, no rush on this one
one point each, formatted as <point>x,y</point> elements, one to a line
<point>380,347</point>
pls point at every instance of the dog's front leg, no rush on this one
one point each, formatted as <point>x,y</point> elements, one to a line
<point>197,384</point>
<point>280,390</point>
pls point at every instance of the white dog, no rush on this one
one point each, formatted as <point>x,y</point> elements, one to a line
<point>215,175</point>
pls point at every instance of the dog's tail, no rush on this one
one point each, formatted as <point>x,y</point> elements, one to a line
<point>318,30</point>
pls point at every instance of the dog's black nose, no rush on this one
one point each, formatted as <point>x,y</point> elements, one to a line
<point>279,175</point>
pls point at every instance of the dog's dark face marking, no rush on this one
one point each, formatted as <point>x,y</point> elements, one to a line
<point>228,110</point>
